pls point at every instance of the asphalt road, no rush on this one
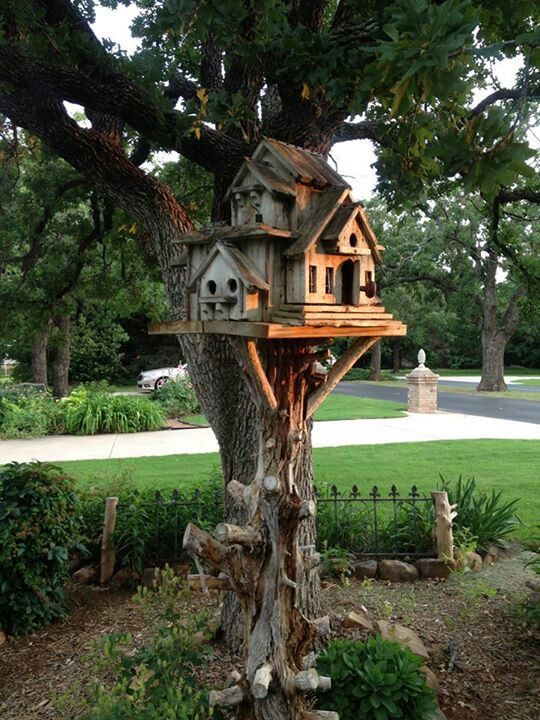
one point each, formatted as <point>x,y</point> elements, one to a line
<point>495,407</point>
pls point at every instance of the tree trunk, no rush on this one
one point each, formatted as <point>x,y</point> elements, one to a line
<point>269,558</point>
<point>375,363</point>
<point>61,357</point>
<point>39,356</point>
<point>396,356</point>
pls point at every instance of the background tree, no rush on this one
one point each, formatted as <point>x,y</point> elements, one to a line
<point>208,81</point>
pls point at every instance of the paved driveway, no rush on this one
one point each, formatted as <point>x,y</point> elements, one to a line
<point>494,407</point>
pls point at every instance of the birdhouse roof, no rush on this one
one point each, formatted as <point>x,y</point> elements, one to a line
<point>247,272</point>
<point>306,166</point>
<point>342,218</point>
<point>328,202</point>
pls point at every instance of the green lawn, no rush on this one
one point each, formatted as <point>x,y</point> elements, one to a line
<point>533,383</point>
<point>506,465</point>
<point>478,371</point>
<point>341,407</point>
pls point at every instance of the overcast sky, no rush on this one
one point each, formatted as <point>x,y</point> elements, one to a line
<point>354,159</point>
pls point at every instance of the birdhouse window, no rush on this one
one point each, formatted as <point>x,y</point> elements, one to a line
<point>232,284</point>
<point>329,281</point>
<point>312,278</point>
<point>211,287</point>
<point>353,240</point>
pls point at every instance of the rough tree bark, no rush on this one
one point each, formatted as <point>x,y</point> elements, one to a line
<point>267,560</point>
<point>495,333</point>
<point>39,356</point>
<point>375,362</point>
<point>396,356</point>
<point>61,357</point>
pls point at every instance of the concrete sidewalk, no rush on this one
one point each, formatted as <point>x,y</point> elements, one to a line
<point>413,428</point>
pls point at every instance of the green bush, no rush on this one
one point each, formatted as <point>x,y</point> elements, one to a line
<point>484,515</point>
<point>152,681</point>
<point>177,397</point>
<point>38,528</point>
<point>88,411</point>
<point>364,373</point>
<point>375,680</point>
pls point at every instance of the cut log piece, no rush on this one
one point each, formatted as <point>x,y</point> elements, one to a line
<point>307,680</point>
<point>212,583</point>
<point>229,696</point>
<point>238,492</point>
<point>321,715</point>
<point>237,535</point>
<point>308,509</point>
<point>322,625</point>
<point>261,681</point>
<point>233,678</point>
<point>325,683</point>
<point>201,544</point>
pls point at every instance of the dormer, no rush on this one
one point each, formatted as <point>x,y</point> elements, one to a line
<point>349,233</point>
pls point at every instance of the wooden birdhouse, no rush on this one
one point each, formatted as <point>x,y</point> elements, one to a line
<point>298,260</point>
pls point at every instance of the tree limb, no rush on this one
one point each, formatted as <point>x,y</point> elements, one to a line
<point>365,130</point>
<point>504,94</point>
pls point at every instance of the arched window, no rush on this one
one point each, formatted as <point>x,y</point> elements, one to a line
<point>347,282</point>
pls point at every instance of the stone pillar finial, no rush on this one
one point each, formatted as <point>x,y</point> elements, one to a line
<point>422,385</point>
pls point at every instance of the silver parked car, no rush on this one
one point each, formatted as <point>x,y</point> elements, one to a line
<point>156,379</point>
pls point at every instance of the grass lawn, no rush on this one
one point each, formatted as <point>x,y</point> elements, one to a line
<point>341,407</point>
<point>478,371</point>
<point>512,394</point>
<point>506,465</point>
<point>533,383</point>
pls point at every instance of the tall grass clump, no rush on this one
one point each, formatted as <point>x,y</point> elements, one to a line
<point>88,411</point>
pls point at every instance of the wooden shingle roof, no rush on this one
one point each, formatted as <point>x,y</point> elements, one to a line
<point>305,166</point>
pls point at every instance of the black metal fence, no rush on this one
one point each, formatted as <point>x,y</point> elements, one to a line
<point>374,524</point>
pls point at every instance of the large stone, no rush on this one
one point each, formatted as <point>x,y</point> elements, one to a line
<point>504,551</point>
<point>433,568</point>
<point>124,577</point>
<point>357,620</point>
<point>474,561</point>
<point>404,637</point>
<point>365,569</point>
<point>397,571</point>
<point>2,637</point>
<point>432,680</point>
<point>86,574</point>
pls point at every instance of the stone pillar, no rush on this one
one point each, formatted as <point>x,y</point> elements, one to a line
<point>422,384</point>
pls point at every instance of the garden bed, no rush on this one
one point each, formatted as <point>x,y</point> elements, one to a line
<point>494,671</point>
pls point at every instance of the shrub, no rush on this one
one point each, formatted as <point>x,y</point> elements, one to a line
<point>485,516</point>
<point>88,411</point>
<point>151,681</point>
<point>38,528</point>
<point>28,410</point>
<point>376,679</point>
<point>177,397</point>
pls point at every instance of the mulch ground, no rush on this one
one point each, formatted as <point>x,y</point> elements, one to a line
<point>486,660</point>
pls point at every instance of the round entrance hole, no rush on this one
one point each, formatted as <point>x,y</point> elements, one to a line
<point>232,285</point>
<point>211,287</point>
<point>353,240</point>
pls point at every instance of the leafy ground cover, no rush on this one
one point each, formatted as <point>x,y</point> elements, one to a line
<point>508,466</point>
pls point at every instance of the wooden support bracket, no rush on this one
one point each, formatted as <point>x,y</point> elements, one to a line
<point>338,370</point>
<point>246,349</point>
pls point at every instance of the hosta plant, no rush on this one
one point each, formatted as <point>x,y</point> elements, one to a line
<point>374,680</point>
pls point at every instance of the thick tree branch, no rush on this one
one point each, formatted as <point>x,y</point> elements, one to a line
<point>507,196</point>
<point>365,130</point>
<point>505,94</point>
<point>115,95</point>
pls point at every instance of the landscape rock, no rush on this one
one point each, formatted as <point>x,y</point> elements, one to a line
<point>148,577</point>
<point>75,562</point>
<point>2,637</point>
<point>365,569</point>
<point>505,551</point>
<point>432,680</point>
<point>356,620</point>
<point>124,577</point>
<point>397,571</point>
<point>474,561</point>
<point>86,574</point>
<point>433,568</point>
<point>404,637</point>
